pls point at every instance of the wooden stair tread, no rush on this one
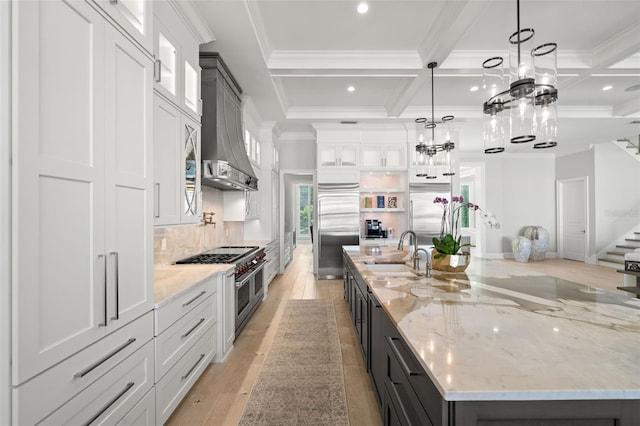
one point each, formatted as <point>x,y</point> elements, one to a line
<point>635,290</point>
<point>626,246</point>
<point>618,253</point>
<point>635,240</point>
<point>611,260</point>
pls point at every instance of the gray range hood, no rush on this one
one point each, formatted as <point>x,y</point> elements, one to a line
<point>225,164</point>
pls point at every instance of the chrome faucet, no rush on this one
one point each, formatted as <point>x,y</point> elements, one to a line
<point>415,240</point>
<point>416,261</point>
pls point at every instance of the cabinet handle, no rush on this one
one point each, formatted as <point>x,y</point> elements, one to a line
<point>157,70</point>
<point>117,317</point>
<point>95,365</point>
<point>113,1</point>
<point>193,368</point>
<point>192,328</point>
<point>110,403</point>
<point>403,362</point>
<point>156,207</point>
<point>200,106</point>
<point>185,304</point>
<point>411,214</point>
<point>396,396</point>
<point>104,256</point>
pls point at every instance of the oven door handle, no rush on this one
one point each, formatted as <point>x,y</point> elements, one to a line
<point>257,268</point>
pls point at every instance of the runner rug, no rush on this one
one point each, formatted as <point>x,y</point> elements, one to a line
<point>301,381</point>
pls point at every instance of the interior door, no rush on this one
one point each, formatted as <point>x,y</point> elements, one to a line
<point>573,215</point>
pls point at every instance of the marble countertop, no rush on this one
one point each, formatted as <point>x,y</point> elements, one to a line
<point>496,333</point>
<point>172,280</point>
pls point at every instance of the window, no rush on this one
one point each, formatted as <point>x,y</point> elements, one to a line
<point>305,210</point>
<point>247,142</point>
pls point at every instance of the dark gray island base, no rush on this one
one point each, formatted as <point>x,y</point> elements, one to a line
<point>408,395</point>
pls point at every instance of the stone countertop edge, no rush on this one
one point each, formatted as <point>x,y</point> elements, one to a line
<point>489,385</point>
<point>170,281</point>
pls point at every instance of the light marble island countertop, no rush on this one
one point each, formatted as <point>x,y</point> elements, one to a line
<point>499,333</point>
<point>172,280</point>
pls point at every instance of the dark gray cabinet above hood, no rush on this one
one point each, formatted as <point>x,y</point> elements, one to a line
<point>225,164</point>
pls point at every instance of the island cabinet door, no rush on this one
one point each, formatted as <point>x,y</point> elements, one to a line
<point>379,328</point>
<point>548,413</point>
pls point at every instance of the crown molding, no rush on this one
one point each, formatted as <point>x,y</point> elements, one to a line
<point>258,28</point>
<point>473,59</point>
<point>344,59</point>
<point>297,136</point>
<point>617,48</point>
<point>631,108</point>
<point>192,18</point>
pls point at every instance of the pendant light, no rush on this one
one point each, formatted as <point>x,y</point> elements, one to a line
<point>529,104</point>
<point>434,158</point>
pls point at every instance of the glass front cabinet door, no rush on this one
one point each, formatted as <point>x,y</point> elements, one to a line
<point>192,201</point>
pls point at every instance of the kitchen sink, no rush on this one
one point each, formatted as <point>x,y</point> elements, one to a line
<point>391,270</point>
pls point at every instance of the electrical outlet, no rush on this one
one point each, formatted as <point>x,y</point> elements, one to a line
<point>163,244</point>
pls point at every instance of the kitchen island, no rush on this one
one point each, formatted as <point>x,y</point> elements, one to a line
<point>494,346</point>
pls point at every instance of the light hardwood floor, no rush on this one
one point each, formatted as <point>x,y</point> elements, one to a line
<point>220,395</point>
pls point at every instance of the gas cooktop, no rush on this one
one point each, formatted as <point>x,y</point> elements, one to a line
<point>225,254</point>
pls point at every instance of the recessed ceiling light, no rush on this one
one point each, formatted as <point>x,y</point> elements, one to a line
<point>474,88</point>
<point>351,89</point>
<point>363,8</point>
<point>607,87</point>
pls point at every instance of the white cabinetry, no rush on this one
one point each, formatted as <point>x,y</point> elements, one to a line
<point>338,155</point>
<point>177,58</point>
<point>82,170</point>
<point>176,147</point>
<point>135,17</point>
<point>226,314</point>
<point>273,260</point>
<point>383,156</point>
<point>241,205</point>
<point>186,340</point>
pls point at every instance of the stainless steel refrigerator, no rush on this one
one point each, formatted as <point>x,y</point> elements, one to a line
<point>425,217</point>
<point>338,225</point>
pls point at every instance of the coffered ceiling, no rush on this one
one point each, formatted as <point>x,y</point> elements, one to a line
<point>295,60</point>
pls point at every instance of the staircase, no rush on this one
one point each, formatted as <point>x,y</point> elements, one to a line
<point>615,257</point>
<point>629,147</point>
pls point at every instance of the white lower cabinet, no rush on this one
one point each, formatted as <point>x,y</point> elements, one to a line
<point>186,340</point>
<point>176,383</point>
<point>109,399</point>
<point>273,261</point>
<point>143,413</point>
<point>174,342</point>
<point>76,374</point>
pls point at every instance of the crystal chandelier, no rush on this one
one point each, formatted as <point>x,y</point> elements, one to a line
<point>529,103</point>
<point>428,158</point>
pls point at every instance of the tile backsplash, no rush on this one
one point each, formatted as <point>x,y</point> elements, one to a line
<point>186,240</point>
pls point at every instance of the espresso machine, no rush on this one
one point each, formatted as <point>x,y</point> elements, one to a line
<point>373,229</point>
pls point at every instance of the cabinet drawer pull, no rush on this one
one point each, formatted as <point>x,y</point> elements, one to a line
<point>403,362</point>
<point>192,328</point>
<point>117,316</point>
<point>398,400</point>
<point>194,367</point>
<point>185,304</point>
<point>157,70</point>
<point>101,361</point>
<point>104,256</point>
<point>113,1</point>
<point>156,206</point>
<point>110,403</point>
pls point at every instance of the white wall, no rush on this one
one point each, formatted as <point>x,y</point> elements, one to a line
<point>297,155</point>
<point>520,191</point>
<point>617,194</point>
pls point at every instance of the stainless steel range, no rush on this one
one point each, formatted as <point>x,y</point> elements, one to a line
<point>249,276</point>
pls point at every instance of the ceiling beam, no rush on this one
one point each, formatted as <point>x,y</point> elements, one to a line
<point>452,22</point>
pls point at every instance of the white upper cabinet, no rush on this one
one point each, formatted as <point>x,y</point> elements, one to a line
<point>383,156</point>
<point>338,155</point>
<point>134,16</point>
<point>177,71</point>
<point>82,172</point>
<point>190,171</point>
